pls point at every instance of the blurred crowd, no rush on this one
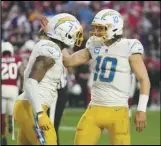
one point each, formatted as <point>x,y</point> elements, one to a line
<point>20,24</point>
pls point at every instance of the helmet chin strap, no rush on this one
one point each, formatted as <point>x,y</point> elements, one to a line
<point>112,40</point>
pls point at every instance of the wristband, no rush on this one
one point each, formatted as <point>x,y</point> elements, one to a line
<point>143,101</point>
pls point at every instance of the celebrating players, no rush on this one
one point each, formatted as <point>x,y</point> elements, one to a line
<point>114,59</point>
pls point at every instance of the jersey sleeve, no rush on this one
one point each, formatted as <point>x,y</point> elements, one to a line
<point>50,49</point>
<point>136,47</point>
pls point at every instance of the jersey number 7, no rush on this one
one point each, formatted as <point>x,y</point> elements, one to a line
<point>103,69</point>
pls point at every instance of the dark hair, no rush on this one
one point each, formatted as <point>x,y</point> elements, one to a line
<point>117,38</point>
<point>113,40</point>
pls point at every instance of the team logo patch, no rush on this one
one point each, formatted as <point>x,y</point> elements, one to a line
<point>97,50</point>
<point>62,20</point>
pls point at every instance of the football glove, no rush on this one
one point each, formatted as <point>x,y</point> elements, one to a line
<point>44,122</point>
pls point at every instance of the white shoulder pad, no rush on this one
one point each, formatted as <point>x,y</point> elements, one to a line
<point>49,49</point>
<point>89,45</point>
<point>136,47</point>
<point>93,47</point>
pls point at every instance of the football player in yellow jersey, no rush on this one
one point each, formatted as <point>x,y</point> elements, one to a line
<point>41,78</point>
<point>114,60</point>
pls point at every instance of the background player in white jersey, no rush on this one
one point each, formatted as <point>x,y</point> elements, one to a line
<point>11,72</point>
<point>41,79</point>
<point>114,59</point>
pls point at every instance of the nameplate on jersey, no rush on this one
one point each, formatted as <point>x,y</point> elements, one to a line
<point>97,50</point>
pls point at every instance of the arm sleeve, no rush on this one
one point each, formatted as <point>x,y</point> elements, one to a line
<point>136,47</point>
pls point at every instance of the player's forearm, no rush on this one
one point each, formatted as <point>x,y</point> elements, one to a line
<point>139,69</point>
<point>144,94</point>
<point>78,58</point>
<point>144,86</point>
<point>73,60</point>
<point>67,61</point>
<point>32,91</point>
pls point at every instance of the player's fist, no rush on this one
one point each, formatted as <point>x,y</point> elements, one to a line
<point>44,122</point>
<point>140,121</point>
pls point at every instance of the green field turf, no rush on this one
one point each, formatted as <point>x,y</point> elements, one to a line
<point>150,136</point>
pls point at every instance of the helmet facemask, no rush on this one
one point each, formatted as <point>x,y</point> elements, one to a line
<point>99,32</point>
<point>76,38</point>
<point>79,37</point>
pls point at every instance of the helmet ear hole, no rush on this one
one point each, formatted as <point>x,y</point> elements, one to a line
<point>68,36</point>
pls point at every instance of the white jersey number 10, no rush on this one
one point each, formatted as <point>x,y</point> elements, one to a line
<point>100,70</point>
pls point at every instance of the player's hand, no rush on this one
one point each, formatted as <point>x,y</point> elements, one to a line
<point>140,121</point>
<point>44,22</point>
<point>44,122</point>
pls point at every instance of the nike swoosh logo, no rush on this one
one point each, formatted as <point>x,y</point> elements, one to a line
<point>118,109</point>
